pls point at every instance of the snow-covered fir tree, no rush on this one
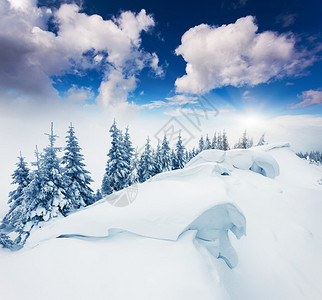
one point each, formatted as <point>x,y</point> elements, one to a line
<point>146,168</point>
<point>115,177</point>
<point>134,176</point>
<point>21,178</point>
<point>128,151</point>
<point>98,195</point>
<point>52,197</point>
<point>172,159</point>
<point>262,140</point>
<point>207,143</point>
<point>158,159</point>
<point>180,157</point>
<point>244,140</point>
<point>76,179</point>
<point>165,155</point>
<point>225,144</point>
<point>220,145</point>
<point>201,144</point>
<point>214,142</point>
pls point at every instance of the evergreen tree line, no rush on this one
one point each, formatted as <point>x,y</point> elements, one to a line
<point>56,186</point>
<point>314,157</point>
<point>126,167</point>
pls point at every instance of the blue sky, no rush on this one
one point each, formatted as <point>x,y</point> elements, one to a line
<point>145,63</point>
<point>174,18</point>
<point>280,92</point>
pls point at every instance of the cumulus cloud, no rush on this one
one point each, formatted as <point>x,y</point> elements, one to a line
<point>310,97</point>
<point>31,53</point>
<point>236,55</point>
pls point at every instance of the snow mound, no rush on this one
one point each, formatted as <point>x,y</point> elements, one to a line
<point>207,156</point>
<point>212,231</point>
<point>256,160</point>
<point>180,237</point>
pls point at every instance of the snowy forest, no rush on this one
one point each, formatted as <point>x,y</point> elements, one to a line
<point>58,185</point>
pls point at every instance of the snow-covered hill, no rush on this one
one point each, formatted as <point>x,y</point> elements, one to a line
<point>241,224</point>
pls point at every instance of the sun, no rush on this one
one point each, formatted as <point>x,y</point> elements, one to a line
<point>250,120</point>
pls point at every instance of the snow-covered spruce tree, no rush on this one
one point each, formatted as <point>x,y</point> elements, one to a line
<point>76,179</point>
<point>214,142</point>
<point>201,144</point>
<point>158,159</point>
<point>146,168</point>
<point>244,140</point>
<point>262,140</point>
<point>52,197</point>
<point>115,176</point>
<point>165,155</point>
<point>180,157</point>
<point>21,178</point>
<point>35,205</point>
<point>225,141</point>
<point>107,188</point>
<point>98,195</point>
<point>207,143</point>
<point>134,176</point>
<point>172,159</point>
<point>186,156</point>
<point>193,153</point>
<point>220,144</point>
<point>128,151</point>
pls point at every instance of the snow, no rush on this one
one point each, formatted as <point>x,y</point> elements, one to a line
<point>183,236</point>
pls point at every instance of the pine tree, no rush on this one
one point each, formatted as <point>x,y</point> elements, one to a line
<point>225,141</point>
<point>52,189</point>
<point>33,206</point>
<point>134,176</point>
<point>262,140</point>
<point>201,144</point>
<point>76,178</point>
<point>172,160</point>
<point>180,157</point>
<point>244,140</point>
<point>220,144</point>
<point>128,151</point>
<point>165,155</point>
<point>98,195</point>
<point>207,143</point>
<point>146,168</point>
<point>115,177</point>
<point>20,177</point>
<point>214,142</point>
<point>107,188</point>
<point>158,159</point>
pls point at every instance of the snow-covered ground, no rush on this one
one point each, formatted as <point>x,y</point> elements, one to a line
<point>177,239</point>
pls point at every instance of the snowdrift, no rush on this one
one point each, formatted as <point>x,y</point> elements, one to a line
<point>177,238</point>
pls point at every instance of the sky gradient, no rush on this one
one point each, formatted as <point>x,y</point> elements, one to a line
<point>155,66</point>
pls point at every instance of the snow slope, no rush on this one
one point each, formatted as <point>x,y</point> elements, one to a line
<point>177,240</point>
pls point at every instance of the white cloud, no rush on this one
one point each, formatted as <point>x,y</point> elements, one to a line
<point>310,97</point>
<point>30,53</point>
<point>176,100</point>
<point>237,55</point>
<point>116,88</point>
<point>79,95</point>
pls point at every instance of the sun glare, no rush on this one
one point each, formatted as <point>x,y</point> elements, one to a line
<point>250,120</point>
